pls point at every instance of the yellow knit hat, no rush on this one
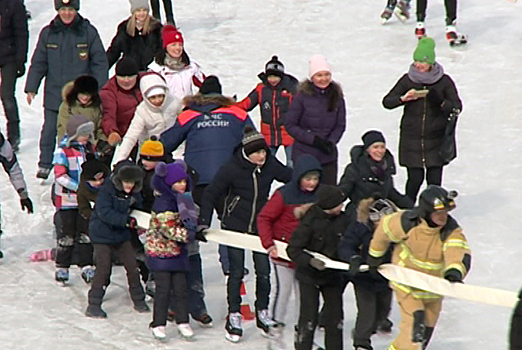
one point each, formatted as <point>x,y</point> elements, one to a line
<point>152,150</point>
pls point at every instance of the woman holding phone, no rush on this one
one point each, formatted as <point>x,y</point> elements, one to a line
<point>429,96</point>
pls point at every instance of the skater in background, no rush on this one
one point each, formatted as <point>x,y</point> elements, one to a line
<point>320,231</point>
<point>452,36</point>
<point>93,175</point>
<point>155,114</point>
<point>174,64</point>
<point>14,37</point>
<point>172,226</point>
<point>429,240</point>
<point>371,171</point>
<point>120,98</point>
<point>317,118</point>
<point>401,9</point>
<point>138,37</point>
<point>245,179</point>
<point>372,293</point>
<point>276,221</point>
<point>273,96</point>
<point>72,237</point>
<point>109,230</point>
<point>425,116</point>
<point>81,97</point>
<point>167,6</point>
<point>68,47</point>
<point>14,171</point>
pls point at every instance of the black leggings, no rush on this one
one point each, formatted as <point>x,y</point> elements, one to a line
<point>416,178</point>
<point>451,10</point>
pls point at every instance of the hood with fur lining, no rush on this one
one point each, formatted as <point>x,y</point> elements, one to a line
<point>128,171</point>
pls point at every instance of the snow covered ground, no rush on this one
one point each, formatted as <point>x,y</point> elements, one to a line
<point>234,39</point>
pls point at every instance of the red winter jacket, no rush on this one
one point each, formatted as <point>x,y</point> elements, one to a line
<point>276,221</point>
<point>118,106</point>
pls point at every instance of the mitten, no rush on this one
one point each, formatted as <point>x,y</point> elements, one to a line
<point>200,233</point>
<point>355,265</point>
<point>453,275</point>
<point>317,264</point>
<point>374,263</point>
<point>26,203</point>
<point>114,138</point>
<point>132,223</point>
<point>161,169</point>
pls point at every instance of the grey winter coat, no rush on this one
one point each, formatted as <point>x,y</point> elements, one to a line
<point>63,53</point>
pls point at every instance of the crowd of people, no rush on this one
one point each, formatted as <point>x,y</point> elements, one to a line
<point>109,145</point>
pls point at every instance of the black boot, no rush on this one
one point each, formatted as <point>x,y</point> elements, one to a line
<point>427,336</point>
<point>94,309</point>
<point>138,298</point>
<point>419,328</point>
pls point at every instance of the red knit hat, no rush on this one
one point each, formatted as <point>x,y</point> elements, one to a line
<point>170,34</point>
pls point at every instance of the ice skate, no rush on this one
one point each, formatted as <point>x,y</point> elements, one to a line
<point>62,276</point>
<point>185,331</point>
<point>88,273</point>
<point>159,333</point>
<point>234,330</point>
<point>454,38</point>
<point>420,31</point>
<point>386,14</point>
<point>264,322</point>
<point>402,11</point>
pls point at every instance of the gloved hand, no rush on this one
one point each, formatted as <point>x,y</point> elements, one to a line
<point>453,276</point>
<point>317,264</point>
<point>26,203</point>
<point>132,223</point>
<point>103,148</point>
<point>200,233</point>
<point>323,145</point>
<point>20,69</point>
<point>355,265</point>
<point>114,138</point>
<point>374,263</point>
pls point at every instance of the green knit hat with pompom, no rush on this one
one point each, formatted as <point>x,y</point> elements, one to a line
<point>425,51</point>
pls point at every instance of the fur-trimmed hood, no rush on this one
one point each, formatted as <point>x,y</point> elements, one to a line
<point>363,210</point>
<point>333,92</point>
<point>72,88</point>
<point>196,100</point>
<point>128,171</point>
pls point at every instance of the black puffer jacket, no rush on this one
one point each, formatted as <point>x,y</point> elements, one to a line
<point>13,32</point>
<point>317,232</point>
<point>141,48</point>
<point>360,180</point>
<point>245,187</point>
<point>424,120</point>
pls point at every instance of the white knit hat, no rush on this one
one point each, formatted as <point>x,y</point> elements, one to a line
<point>157,90</point>
<point>318,63</point>
<point>139,4</point>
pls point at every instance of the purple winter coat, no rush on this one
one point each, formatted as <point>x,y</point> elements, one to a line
<point>308,117</point>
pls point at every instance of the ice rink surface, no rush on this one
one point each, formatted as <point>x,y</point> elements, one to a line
<point>233,39</point>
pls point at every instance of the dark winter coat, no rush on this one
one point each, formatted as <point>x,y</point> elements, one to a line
<point>277,219</point>
<point>423,121</point>
<point>14,34</point>
<point>273,103</point>
<point>142,48</point>
<point>212,128</point>
<point>356,241</point>
<point>63,53</point>
<point>147,191</point>
<point>246,187</point>
<point>108,223</point>
<point>118,106</point>
<point>317,232</point>
<point>360,181</point>
<point>310,115</point>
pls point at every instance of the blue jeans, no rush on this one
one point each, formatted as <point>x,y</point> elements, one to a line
<point>197,305</point>
<point>288,154</point>
<point>48,139</point>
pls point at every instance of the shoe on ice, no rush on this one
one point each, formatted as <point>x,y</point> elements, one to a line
<point>141,306</point>
<point>385,326</point>
<point>95,311</point>
<point>62,275</point>
<point>185,331</point>
<point>88,274</point>
<point>233,328</point>
<point>420,31</point>
<point>264,322</point>
<point>43,173</point>
<point>204,320</point>
<point>386,14</point>
<point>159,332</point>
<point>402,11</point>
<point>453,37</point>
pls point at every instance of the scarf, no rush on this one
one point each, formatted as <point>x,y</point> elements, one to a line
<point>174,63</point>
<point>378,168</point>
<point>428,78</point>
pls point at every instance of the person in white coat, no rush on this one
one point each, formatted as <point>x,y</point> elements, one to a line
<point>173,64</point>
<point>156,113</point>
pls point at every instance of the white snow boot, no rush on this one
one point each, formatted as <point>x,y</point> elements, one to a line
<point>159,332</point>
<point>185,331</point>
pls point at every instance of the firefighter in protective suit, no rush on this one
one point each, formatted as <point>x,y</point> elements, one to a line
<point>429,240</point>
